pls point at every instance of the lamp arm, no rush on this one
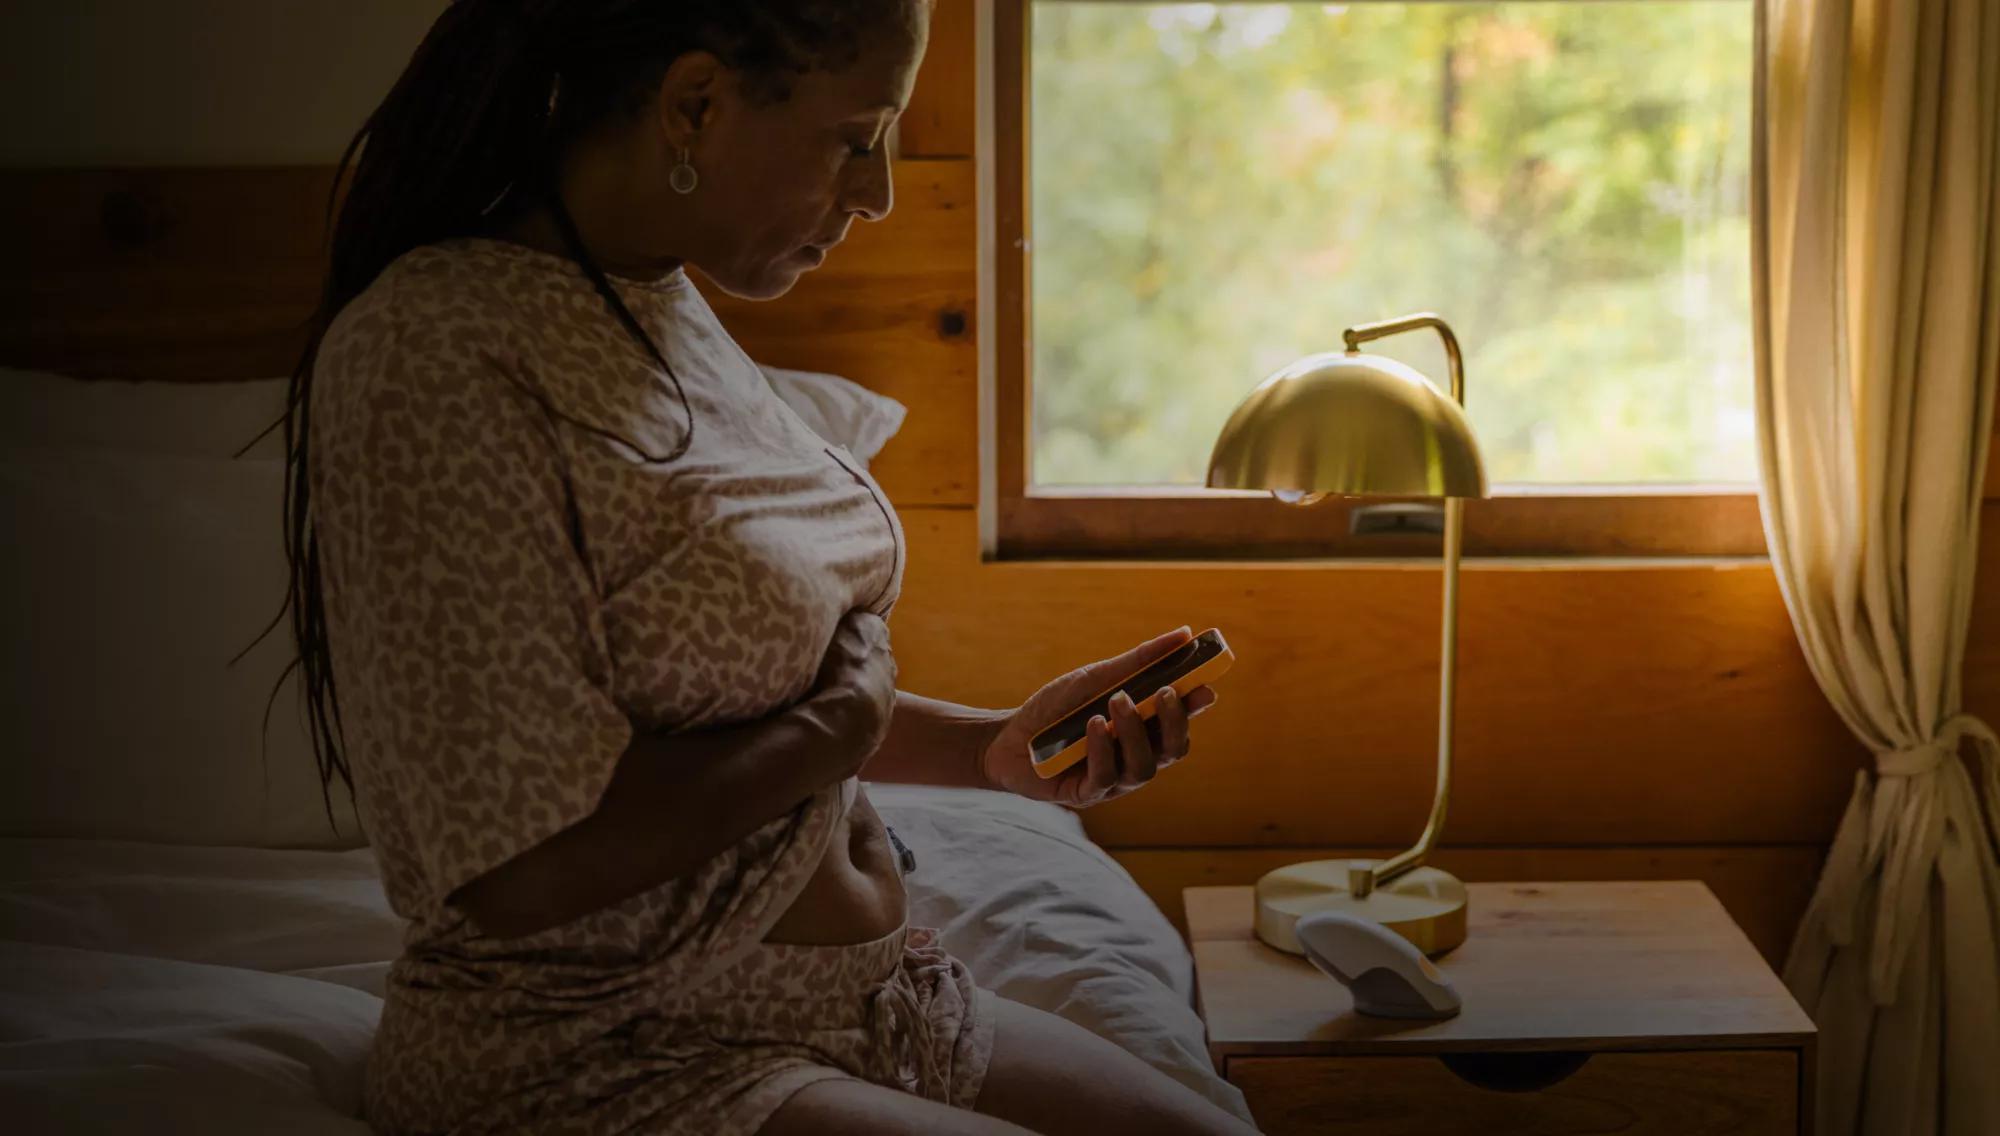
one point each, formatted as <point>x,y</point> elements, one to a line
<point>1361,879</point>
<point>1363,333</point>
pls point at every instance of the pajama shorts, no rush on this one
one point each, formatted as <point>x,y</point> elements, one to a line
<point>896,1011</point>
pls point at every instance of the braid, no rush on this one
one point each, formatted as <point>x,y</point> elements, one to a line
<point>472,119</point>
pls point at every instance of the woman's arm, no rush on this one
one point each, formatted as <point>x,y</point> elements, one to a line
<point>934,743</point>
<point>676,800</point>
<point>941,743</point>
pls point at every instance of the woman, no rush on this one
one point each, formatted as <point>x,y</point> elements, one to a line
<point>607,619</point>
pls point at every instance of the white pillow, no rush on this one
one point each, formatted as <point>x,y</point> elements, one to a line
<point>1044,916</point>
<point>191,419</point>
<point>840,410</point>
<point>133,579</point>
<point>144,558</point>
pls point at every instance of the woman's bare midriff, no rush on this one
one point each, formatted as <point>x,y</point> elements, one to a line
<point>856,893</point>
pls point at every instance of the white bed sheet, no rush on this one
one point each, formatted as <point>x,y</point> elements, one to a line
<point>167,989</point>
<point>1044,916</point>
<point>173,989</point>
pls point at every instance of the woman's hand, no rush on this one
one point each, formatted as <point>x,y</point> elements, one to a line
<point>1123,754</point>
<point>854,694</point>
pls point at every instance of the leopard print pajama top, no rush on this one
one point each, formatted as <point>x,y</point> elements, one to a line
<point>514,583</point>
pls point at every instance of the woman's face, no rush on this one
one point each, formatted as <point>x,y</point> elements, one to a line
<point>781,182</point>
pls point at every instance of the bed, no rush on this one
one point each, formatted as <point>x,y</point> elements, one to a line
<point>192,941</point>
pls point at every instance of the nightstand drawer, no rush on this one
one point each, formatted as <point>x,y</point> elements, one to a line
<point>1689,1093</point>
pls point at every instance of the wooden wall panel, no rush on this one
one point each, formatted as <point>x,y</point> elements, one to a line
<point>1982,642</point>
<point>211,273</point>
<point>1764,887</point>
<point>894,310</point>
<point>1598,704</point>
<point>160,273</point>
<point>940,121</point>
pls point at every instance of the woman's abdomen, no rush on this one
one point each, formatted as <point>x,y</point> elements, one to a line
<point>855,894</point>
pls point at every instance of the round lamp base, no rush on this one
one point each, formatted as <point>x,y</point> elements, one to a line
<point>1424,905</point>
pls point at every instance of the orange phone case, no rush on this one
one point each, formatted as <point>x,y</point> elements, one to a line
<point>1183,686</point>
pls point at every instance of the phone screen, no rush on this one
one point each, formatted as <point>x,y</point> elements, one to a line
<point>1140,686</point>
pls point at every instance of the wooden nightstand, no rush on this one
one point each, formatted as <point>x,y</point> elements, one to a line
<point>1630,1008</point>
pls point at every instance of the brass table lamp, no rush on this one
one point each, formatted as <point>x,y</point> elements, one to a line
<point>1362,425</point>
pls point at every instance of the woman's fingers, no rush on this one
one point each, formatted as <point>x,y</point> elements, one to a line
<point>1135,743</point>
<point>1170,726</point>
<point>1103,672</point>
<point>1113,766</point>
<point>1100,762</point>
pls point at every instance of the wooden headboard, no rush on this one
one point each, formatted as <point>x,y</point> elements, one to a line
<point>181,274</point>
<point>210,273</point>
<point>202,274</point>
<point>206,274</point>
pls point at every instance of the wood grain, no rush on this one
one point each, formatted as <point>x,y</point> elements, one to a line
<point>1750,1093</point>
<point>1764,889</point>
<point>894,310</point>
<point>160,273</point>
<point>1013,258</point>
<point>211,273</point>
<point>941,119</point>
<point>1159,523</point>
<point>1599,705</point>
<point>1544,967</point>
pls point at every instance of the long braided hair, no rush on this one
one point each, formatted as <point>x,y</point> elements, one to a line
<point>469,138</point>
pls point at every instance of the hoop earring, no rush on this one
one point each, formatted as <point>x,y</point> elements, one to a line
<point>682,178</point>
<point>504,193</point>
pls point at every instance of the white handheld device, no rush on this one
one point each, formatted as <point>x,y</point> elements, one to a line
<point>1388,976</point>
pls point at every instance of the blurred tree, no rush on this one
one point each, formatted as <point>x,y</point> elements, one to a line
<point>1219,188</point>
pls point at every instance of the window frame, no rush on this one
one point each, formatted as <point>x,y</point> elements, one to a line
<point>1667,521</point>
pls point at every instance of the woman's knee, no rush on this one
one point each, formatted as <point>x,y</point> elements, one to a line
<point>1059,1079</point>
<point>851,1107</point>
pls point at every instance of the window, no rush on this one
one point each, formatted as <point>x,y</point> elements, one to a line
<point>1200,193</point>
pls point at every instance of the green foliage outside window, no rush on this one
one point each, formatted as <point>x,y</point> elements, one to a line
<point>1220,188</point>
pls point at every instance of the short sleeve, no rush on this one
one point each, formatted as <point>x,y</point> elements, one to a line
<point>468,648</point>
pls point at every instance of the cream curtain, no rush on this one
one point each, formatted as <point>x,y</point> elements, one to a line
<point>1879,344</point>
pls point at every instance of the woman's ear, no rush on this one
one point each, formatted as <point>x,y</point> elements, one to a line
<point>688,96</point>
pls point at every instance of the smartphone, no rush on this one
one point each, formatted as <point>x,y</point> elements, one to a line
<point>1195,664</point>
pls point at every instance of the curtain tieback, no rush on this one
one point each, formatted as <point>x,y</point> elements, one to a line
<point>1892,828</point>
<point>1926,757</point>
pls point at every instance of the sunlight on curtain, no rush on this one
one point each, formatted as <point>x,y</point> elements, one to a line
<point>1880,342</point>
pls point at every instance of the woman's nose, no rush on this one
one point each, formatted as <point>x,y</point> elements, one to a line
<point>871,192</point>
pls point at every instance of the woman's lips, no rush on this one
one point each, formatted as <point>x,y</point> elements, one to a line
<point>819,250</point>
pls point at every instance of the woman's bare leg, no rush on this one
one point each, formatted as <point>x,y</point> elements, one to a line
<point>1048,1077</point>
<point>1058,1079</point>
<point>859,1108</point>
